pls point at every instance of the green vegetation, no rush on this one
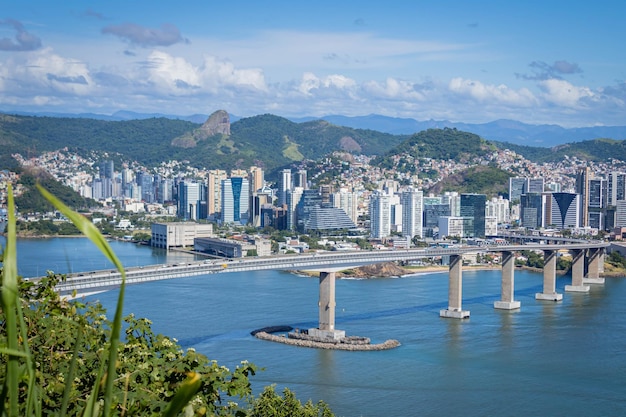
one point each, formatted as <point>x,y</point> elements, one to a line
<point>271,139</point>
<point>590,150</point>
<point>616,259</point>
<point>66,358</point>
<point>535,260</point>
<point>46,228</point>
<point>31,201</point>
<point>479,179</point>
<point>443,144</point>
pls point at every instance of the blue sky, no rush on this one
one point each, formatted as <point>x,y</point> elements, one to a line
<point>555,62</point>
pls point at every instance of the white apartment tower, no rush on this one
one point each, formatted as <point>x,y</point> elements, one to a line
<point>380,215</point>
<point>214,192</point>
<point>412,213</point>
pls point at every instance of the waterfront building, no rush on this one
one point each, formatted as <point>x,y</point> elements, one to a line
<point>257,202</point>
<point>327,218</point>
<point>412,213</point>
<point>179,234</point>
<point>582,188</point>
<point>347,201</point>
<point>380,215</point>
<point>455,226</point>
<point>192,200</point>
<point>491,226</point>
<point>499,207</point>
<point>473,206</point>
<point>432,213</point>
<point>565,210</point>
<point>231,248</point>
<point>235,200</point>
<point>294,202</point>
<point>532,210</point>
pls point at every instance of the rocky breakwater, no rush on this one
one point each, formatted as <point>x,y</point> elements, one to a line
<point>303,339</point>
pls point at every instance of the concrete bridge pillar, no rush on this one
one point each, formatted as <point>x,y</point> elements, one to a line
<point>549,278</point>
<point>326,329</point>
<point>508,270</point>
<point>455,290</point>
<point>595,259</point>
<point>578,272</point>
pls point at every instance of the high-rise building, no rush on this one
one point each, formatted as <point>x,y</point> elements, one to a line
<point>535,185</point>
<point>284,184</point>
<point>235,200</point>
<point>565,209</point>
<point>412,213</point>
<point>517,187</point>
<point>192,200</point>
<point>531,210</point>
<point>473,206</point>
<point>453,199</point>
<point>616,187</point>
<point>300,179</point>
<point>498,207</point>
<point>582,187</point>
<point>455,226</point>
<point>107,169</point>
<point>432,213</point>
<point>380,215</point>
<point>347,201</point>
<point>256,178</point>
<point>597,193</point>
<point>294,197</point>
<point>165,190</point>
<point>214,192</point>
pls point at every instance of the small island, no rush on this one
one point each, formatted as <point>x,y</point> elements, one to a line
<point>302,338</point>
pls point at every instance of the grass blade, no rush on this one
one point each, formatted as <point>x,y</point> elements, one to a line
<point>10,299</point>
<point>90,231</point>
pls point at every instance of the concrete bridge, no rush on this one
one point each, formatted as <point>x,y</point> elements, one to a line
<point>587,263</point>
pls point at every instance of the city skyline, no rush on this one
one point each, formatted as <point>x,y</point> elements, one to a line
<point>551,62</point>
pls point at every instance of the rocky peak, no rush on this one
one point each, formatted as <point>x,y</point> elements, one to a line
<point>218,122</point>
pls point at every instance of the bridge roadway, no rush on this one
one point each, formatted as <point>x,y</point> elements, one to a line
<point>587,256</point>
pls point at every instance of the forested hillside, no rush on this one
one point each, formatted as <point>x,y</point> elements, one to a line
<point>479,179</point>
<point>590,150</point>
<point>442,144</point>
<point>266,140</point>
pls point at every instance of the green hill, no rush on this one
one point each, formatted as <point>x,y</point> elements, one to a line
<point>266,140</point>
<point>440,144</point>
<point>590,150</point>
<point>478,179</point>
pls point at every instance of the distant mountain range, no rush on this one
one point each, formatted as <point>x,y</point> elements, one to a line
<point>509,131</point>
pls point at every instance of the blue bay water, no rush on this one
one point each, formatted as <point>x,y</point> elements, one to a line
<point>565,358</point>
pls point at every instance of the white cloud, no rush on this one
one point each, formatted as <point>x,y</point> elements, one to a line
<point>44,71</point>
<point>393,89</point>
<point>310,82</point>
<point>494,94</point>
<point>563,93</point>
